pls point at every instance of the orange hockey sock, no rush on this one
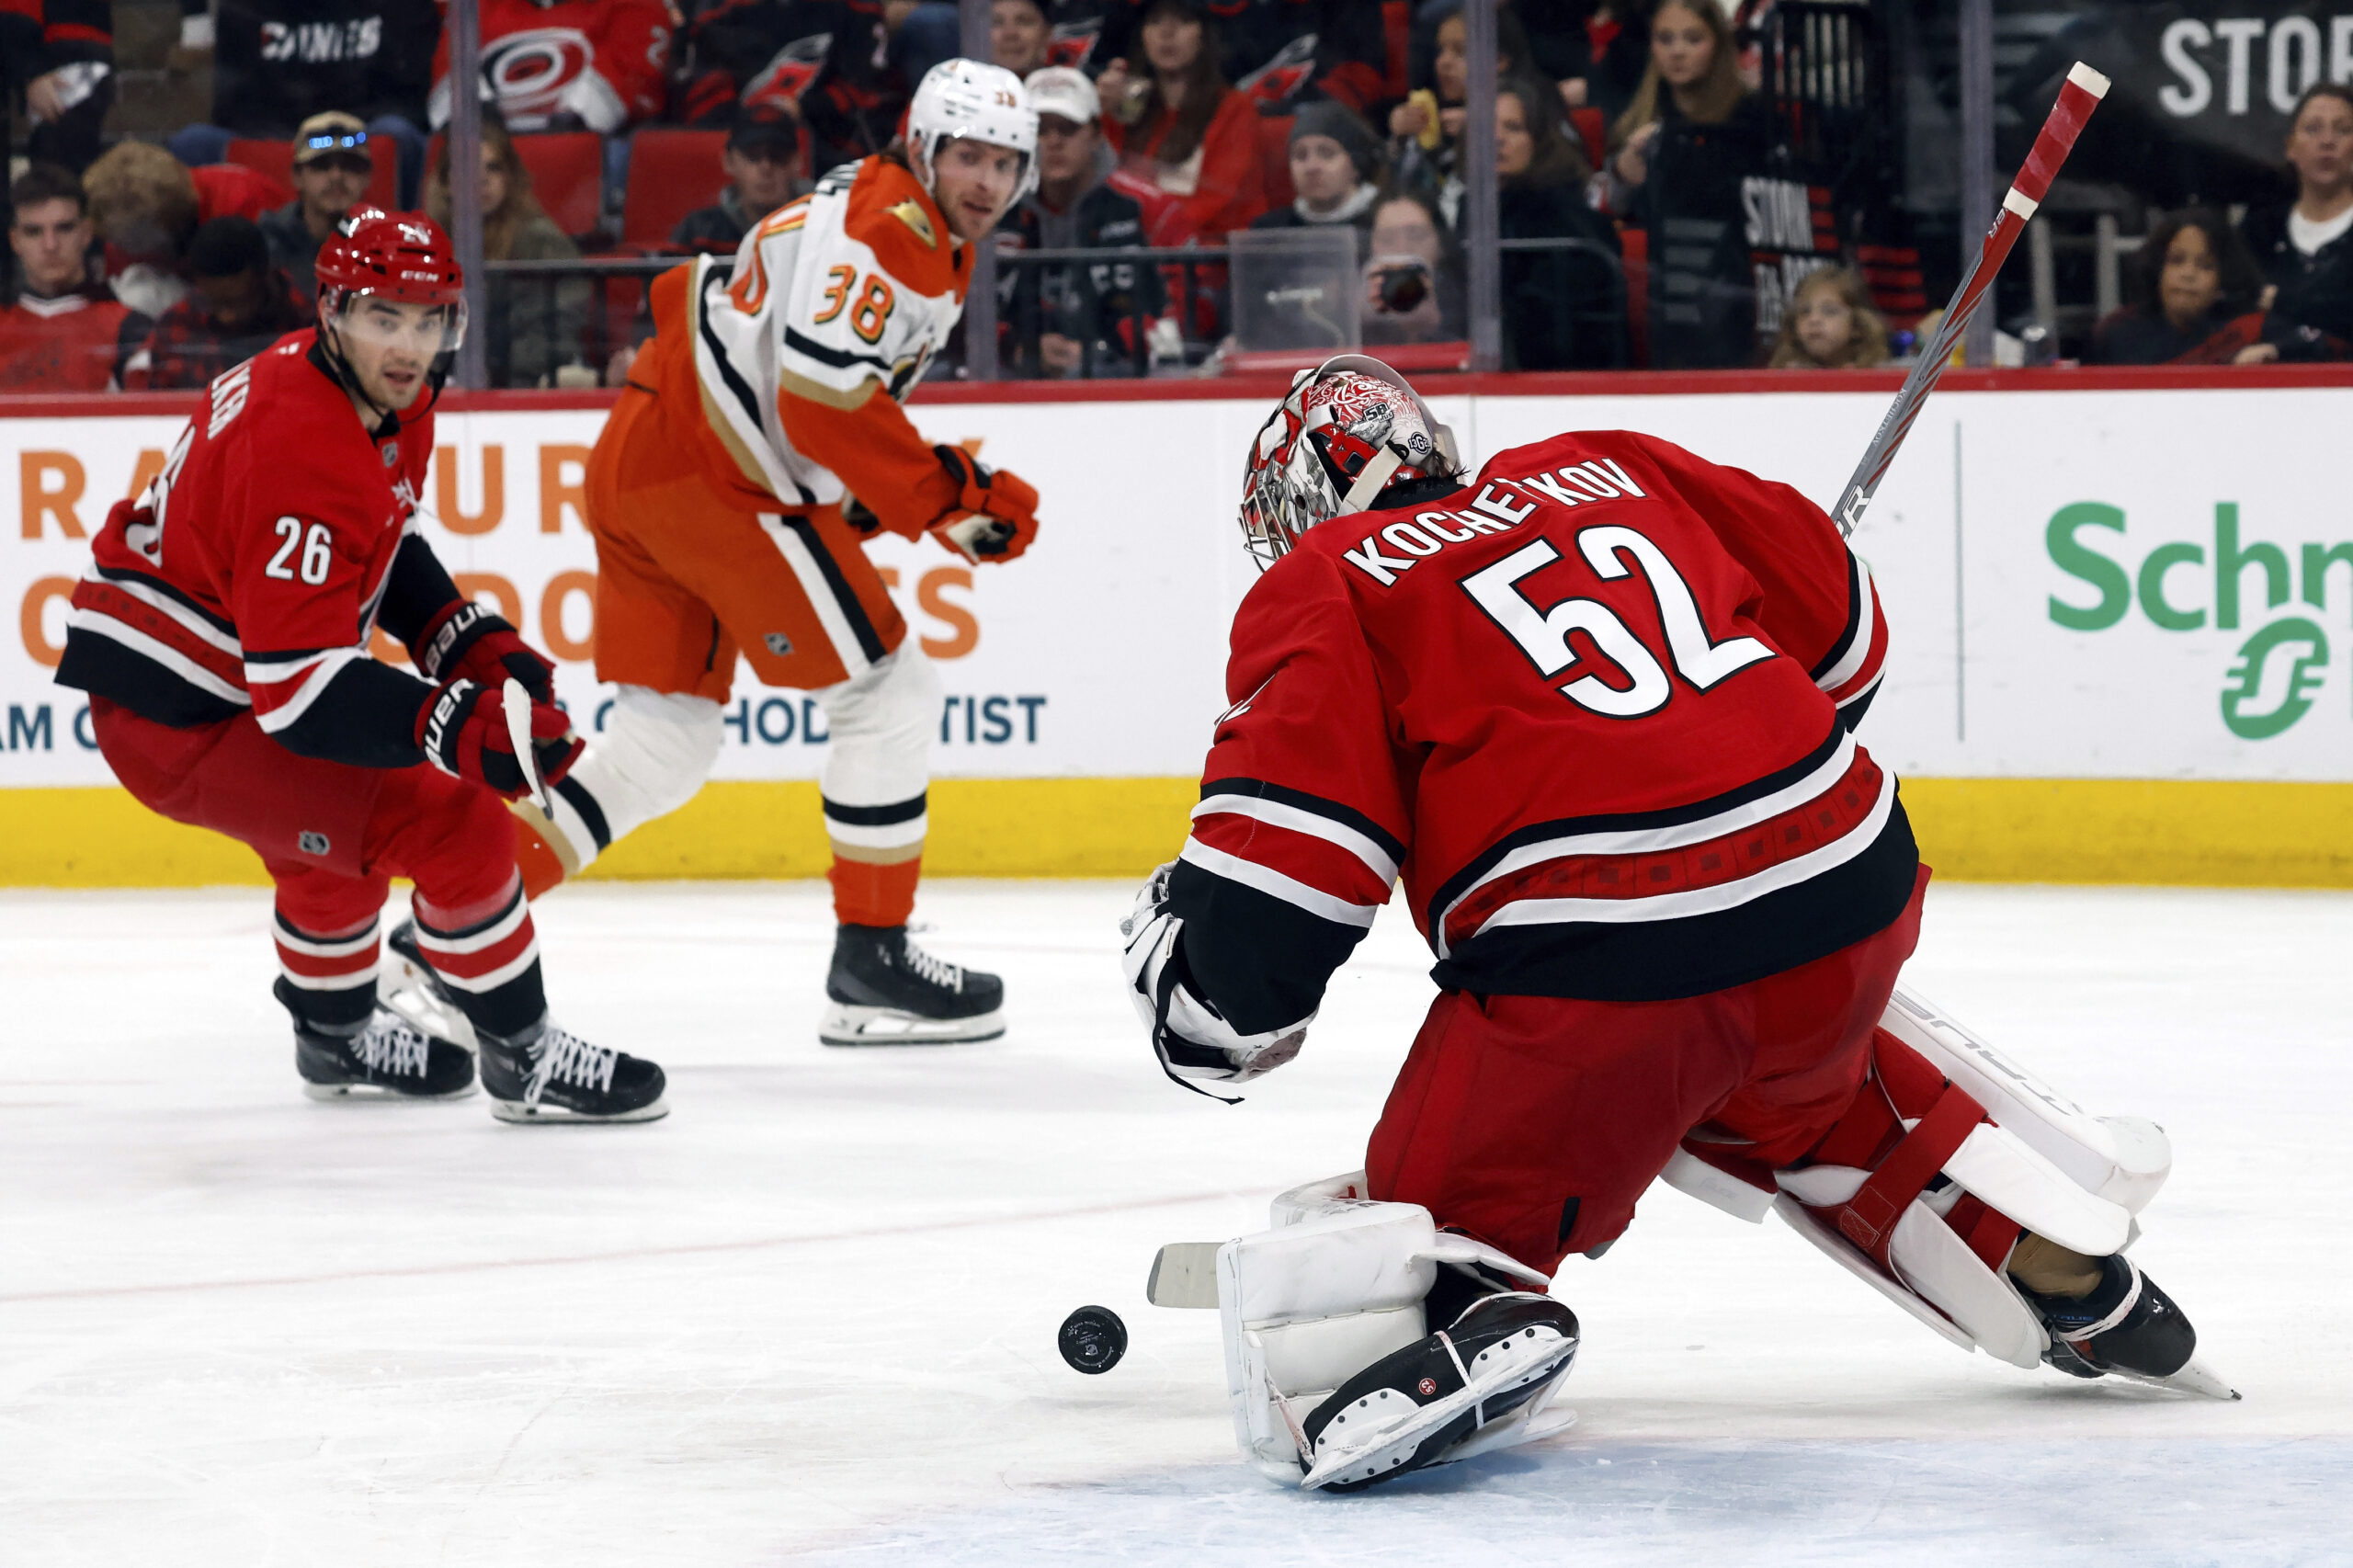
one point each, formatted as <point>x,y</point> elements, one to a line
<point>866,893</point>
<point>542,868</point>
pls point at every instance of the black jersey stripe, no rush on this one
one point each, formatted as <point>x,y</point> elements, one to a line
<point>861,626</point>
<point>837,359</point>
<point>1854,622</point>
<point>591,815</point>
<point>1314,805</point>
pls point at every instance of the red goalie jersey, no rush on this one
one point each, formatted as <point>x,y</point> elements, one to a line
<point>1596,707</point>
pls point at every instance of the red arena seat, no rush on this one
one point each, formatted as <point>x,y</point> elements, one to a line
<point>568,176</point>
<point>671,173</point>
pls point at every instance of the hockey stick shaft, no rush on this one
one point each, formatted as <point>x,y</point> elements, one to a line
<point>2078,95</point>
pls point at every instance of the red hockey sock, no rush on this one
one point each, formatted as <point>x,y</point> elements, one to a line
<point>866,893</point>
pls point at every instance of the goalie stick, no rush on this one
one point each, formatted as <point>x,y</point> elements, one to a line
<point>2078,95</point>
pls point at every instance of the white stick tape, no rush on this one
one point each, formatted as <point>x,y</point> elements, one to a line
<point>2019,202</point>
<point>2089,80</point>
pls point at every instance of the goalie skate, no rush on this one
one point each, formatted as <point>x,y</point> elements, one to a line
<point>884,990</point>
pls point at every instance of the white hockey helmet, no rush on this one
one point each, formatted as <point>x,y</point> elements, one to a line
<point>969,98</point>
<point>1350,429</point>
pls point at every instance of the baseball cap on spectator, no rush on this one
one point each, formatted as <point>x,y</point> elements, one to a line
<point>331,134</point>
<point>1325,118</point>
<point>762,131</point>
<point>1064,93</point>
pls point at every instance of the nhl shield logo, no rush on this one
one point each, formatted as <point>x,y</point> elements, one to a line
<point>779,643</point>
<point>391,451</point>
<point>312,843</point>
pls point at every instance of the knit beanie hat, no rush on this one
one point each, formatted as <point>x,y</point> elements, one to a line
<point>1325,118</point>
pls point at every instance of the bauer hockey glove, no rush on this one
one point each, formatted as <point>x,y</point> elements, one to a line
<point>996,514</point>
<point>465,641</point>
<point>463,732</point>
<point>1189,1035</point>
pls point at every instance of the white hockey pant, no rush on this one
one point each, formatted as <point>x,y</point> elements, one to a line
<point>2015,1155</point>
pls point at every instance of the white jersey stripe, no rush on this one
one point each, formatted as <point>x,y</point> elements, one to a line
<point>819,593</point>
<point>1859,651</point>
<point>316,677</point>
<point>1250,874</point>
<point>195,624</point>
<point>1278,813</point>
<point>100,623</point>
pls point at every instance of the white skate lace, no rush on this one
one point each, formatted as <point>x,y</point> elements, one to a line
<point>562,1057</point>
<point>938,972</point>
<point>387,1045</point>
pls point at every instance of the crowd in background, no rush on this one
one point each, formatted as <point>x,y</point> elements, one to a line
<point>1629,141</point>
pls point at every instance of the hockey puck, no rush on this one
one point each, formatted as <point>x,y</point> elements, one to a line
<point>1092,1340</point>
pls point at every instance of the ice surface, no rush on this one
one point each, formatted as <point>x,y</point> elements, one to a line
<point>812,1314</point>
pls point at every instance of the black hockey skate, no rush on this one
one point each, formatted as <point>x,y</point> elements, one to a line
<point>386,1058</point>
<point>1475,1386</point>
<point>2125,1325</point>
<point>551,1074</point>
<point>887,990</point>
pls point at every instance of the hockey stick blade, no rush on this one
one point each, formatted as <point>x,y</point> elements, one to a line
<point>2078,95</point>
<point>518,703</point>
<point>1184,1274</point>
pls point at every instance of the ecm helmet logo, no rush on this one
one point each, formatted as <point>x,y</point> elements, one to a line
<point>2268,694</point>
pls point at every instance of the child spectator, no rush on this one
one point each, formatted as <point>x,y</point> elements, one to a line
<point>1829,324</point>
<point>762,160</point>
<point>60,53</point>
<point>535,322</point>
<point>332,169</point>
<point>1055,319</point>
<point>826,63</point>
<point>278,63</point>
<point>146,204</point>
<point>1414,279</point>
<point>1334,163</point>
<point>2198,299</point>
<point>1020,34</point>
<point>241,306</point>
<point>565,64</point>
<point>2306,248</point>
<point>1562,309</point>
<point>1170,113</point>
<point>62,334</point>
<point>1682,150</point>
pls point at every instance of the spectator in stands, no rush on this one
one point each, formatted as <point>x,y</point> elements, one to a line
<point>60,53</point>
<point>762,159</point>
<point>1829,324</point>
<point>332,167</point>
<point>1680,154</point>
<point>1563,309</point>
<point>1281,54</point>
<point>1335,167</point>
<point>826,62</point>
<point>1414,278</point>
<point>1020,33</point>
<point>606,78</point>
<point>2305,248</point>
<point>1596,51</point>
<point>536,322</point>
<point>278,63</point>
<point>2198,299</point>
<point>1171,115</point>
<point>62,334</point>
<point>242,305</point>
<point>1426,131</point>
<point>146,204</point>
<point>1070,320</point>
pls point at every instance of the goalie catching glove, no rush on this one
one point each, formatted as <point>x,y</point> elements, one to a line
<point>1190,1035</point>
<point>463,731</point>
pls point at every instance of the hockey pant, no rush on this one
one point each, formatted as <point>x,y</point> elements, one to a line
<point>332,837</point>
<point>689,575</point>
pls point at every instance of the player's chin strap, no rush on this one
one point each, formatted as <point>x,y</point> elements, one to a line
<point>1373,480</point>
<point>437,376</point>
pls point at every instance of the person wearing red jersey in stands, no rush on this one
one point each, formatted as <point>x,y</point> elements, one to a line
<point>1177,123</point>
<point>565,64</point>
<point>63,333</point>
<point>147,205</point>
<point>223,632</point>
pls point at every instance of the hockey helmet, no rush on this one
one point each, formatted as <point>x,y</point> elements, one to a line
<point>1350,429</point>
<point>402,256</point>
<point>968,97</point>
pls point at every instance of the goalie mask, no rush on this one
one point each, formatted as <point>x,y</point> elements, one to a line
<point>1350,429</point>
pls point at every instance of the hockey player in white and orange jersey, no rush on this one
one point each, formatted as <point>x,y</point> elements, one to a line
<point>759,444</point>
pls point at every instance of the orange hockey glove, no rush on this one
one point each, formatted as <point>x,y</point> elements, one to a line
<point>995,513</point>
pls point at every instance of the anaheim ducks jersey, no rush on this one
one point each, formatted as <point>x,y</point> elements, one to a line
<point>1595,707</point>
<point>803,356</point>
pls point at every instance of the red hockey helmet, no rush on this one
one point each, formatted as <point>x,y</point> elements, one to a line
<point>402,256</point>
<point>1350,429</point>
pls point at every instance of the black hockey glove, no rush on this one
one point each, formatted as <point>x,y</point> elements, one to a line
<point>465,641</point>
<point>463,731</point>
<point>1191,1037</point>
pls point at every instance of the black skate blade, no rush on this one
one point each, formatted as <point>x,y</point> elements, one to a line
<point>546,1113</point>
<point>851,1024</point>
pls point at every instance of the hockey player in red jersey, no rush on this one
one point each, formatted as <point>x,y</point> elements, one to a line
<point>1595,705</point>
<point>222,632</point>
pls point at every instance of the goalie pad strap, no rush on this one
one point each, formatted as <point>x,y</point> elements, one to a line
<point>1989,1232</point>
<point>1869,1218</point>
